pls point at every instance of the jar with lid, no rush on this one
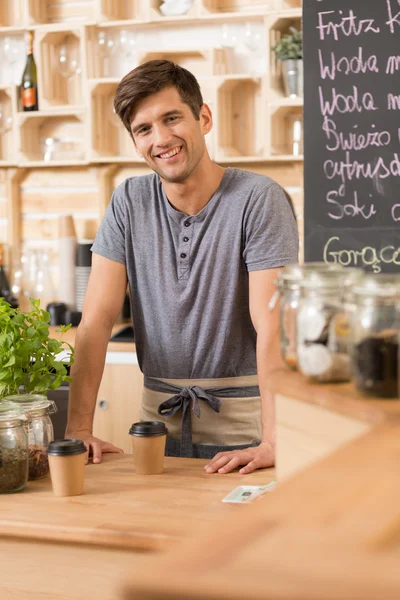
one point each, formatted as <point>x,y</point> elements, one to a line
<point>288,289</point>
<point>37,409</point>
<point>375,332</point>
<point>13,449</point>
<point>323,324</point>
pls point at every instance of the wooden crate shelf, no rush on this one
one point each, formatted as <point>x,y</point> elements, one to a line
<point>67,132</point>
<point>236,6</point>
<point>59,11</point>
<point>202,63</point>
<point>110,10</point>
<point>154,13</point>
<point>239,107</point>
<point>12,14</point>
<point>277,28</point>
<point>287,5</point>
<point>109,139</point>
<point>61,68</point>
<point>242,86</point>
<point>111,51</point>
<point>286,132</point>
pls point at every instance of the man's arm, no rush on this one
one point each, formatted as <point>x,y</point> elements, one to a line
<point>266,324</point>
<point>103,301</point>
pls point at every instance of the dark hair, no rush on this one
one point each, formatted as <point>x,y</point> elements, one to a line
<point>152,77</point>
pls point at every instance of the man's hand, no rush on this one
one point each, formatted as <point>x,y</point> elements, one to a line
<point>94,445</point>
<point>258,457</point>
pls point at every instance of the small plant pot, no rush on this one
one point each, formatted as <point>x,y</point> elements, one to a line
<point>292,74</point>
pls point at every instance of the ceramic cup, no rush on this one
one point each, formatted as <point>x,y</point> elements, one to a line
<point>67,466</point>
<point>148,443</point>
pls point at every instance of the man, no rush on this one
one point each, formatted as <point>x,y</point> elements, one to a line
<point>200,246</point>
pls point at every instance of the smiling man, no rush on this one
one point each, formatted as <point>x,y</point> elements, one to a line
<point>200,246</point>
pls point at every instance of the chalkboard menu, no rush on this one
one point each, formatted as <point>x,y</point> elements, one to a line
<point>352,132</point>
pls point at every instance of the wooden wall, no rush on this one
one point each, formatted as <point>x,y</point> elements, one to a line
<point>31,200</point>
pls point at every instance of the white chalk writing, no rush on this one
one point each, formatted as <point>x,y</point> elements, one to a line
<point>394,19</point>
<point>396,213</point>
<point>348,169</point>
<point>346,66</point>
<point>347,25</point>
<point>392,65</point>
<point>355,140</point>
<point>350,209</point>
<point>367,256</point>
<point>393,102</point>
<point>342,103</point>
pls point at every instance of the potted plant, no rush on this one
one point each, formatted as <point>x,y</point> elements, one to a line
<point>29,366</point>
<point>289,50</point>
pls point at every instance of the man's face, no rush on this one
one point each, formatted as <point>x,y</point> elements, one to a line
<point>168,136</point>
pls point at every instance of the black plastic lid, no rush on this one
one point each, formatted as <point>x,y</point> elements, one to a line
<point>148,429</point>
<point>66,447</point>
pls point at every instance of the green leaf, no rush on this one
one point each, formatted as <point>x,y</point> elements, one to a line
<point>10,362</point>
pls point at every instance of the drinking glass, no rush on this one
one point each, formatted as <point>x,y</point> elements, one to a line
<point>105,47</point>
<point>11,52</point>
<point>68,63</point>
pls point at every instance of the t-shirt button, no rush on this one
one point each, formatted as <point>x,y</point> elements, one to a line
<point>187,223</point>
<point>185,239</point>
<point>183,255</point>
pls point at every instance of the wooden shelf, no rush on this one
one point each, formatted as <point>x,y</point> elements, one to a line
<point>41,12</point>
<point>110,10</point>
<point>110,141</point>
<point>277,28</point>
<point>108,38</point>
<point>287,131</point>
<point>52,140</point>
<point>239,107</point>
<point>61,67</point>
<point>236,6</point>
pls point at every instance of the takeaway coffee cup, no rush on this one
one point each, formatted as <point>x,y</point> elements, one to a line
<point>67,466</point>
<point>148,443</point>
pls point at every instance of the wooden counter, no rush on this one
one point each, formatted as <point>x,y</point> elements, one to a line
<point>330,531</point>
<point>51,546</point>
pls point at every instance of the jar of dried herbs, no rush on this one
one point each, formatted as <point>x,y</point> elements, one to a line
<point>13,449</point>
<point>323,336</point>
<point>376,334</point>
<point>37,409</point>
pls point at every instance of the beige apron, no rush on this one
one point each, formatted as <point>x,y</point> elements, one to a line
<point>238,422</point>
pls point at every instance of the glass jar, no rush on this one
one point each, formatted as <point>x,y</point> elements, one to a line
<point>13,449</point>
<point>375,332</point>
<point>288,289</point>
<point>323,324</point>
<point>37,410</point>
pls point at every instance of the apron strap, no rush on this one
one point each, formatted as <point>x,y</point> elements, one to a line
<point>187,399</point>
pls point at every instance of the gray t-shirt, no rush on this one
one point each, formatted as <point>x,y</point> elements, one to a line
<point>188,275</point>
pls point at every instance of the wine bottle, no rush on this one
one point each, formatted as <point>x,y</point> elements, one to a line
<point>29,95</point>
<point>5,288</point>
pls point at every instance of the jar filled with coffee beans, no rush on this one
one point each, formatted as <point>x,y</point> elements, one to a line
<point>375,335</point>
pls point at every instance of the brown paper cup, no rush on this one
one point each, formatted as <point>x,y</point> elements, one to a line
<point>148,454</point>
<point>148,444</point>
<point>67,474</point>
<point>67,471</point>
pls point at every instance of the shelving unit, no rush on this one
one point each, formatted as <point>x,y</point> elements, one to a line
<point>62,54</point>
<point>240,132</point>
<point>225,43</point>
<point>47,139</point>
